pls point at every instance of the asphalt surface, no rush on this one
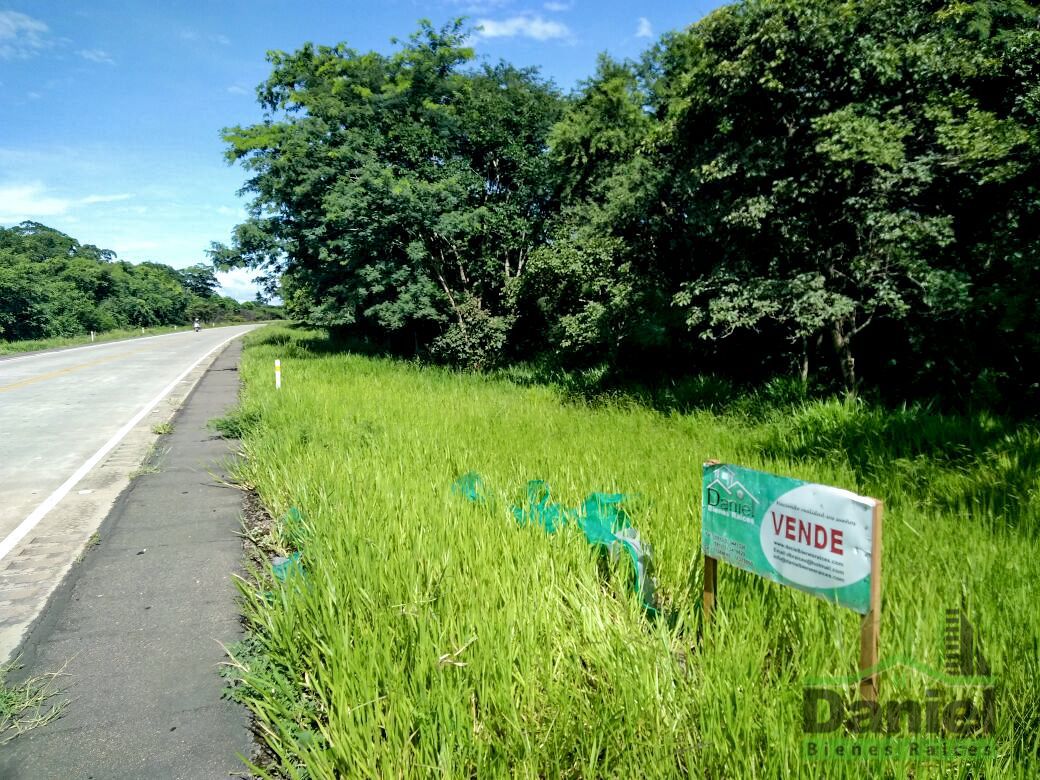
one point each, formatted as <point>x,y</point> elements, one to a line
<point>137,625</point>
<point>75,426</point>
<point>58,408</point>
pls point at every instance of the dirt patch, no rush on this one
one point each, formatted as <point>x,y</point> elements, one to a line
<point>258,528</point>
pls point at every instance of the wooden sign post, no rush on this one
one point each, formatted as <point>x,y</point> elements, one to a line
<point>870,627</point>
<point>711,582</point>
<point>823,540</point>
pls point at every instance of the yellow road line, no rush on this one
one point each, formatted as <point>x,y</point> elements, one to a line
<point>64,371</point>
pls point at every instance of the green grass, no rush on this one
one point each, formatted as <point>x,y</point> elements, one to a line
<point>431,636</point>
<point>27,704</point>
<point>92,542</point>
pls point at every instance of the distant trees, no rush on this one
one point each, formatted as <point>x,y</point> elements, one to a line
<point>51,285</point>
<point>844,193</point>
<point>199,280</point>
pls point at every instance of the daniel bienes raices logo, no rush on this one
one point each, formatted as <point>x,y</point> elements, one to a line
<point>954,719</point>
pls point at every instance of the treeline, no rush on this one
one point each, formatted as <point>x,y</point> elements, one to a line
<point>844,193</point>
<point>52,285</point>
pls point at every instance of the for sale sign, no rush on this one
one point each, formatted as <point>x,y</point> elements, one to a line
<point>816,538</point>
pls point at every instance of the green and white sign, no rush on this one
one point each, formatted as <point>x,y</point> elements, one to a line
<point>811,537</point>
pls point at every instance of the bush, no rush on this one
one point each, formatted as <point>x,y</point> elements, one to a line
<point>475,341</point>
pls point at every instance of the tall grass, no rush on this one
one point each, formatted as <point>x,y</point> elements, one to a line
<point>432,636</point>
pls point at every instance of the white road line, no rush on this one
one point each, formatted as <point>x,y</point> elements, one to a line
<point>52,500</point>
<point>61,350</point>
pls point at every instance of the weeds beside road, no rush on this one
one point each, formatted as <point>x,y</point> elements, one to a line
<point>430,635</point>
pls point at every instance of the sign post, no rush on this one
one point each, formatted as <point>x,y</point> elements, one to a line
<point>711,569</point>
<point>819,539</point>
<point>870,628</point>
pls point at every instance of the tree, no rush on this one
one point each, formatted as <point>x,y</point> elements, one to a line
<point>400,193</point>
<point>51,285</point>
<point>844,191</point>
<point>199,280</point>
<point>818,150</point>
<point>593,292</point>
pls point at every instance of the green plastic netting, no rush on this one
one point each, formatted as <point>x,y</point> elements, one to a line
<point>601,517</point>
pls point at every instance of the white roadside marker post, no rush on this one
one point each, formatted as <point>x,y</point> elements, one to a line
<point>91,337</point>
<point>278,375</point>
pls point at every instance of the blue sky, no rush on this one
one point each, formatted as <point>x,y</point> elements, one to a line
<point>110,111</point>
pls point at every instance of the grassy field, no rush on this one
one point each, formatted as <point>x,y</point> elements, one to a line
<point>434,636</point>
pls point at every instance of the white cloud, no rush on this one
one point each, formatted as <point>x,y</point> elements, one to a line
<point>28,201</point>
<point>481,6</point>
<point>238,283</point>
<point>188,34</point>
<point>557,7</point>
<point>526,26</point>
<point>19,202</point>
<point>97,55</point>
<point>644,29</point>
<point>104,198</point>
<point>21,36</point>
<point>234,89</point>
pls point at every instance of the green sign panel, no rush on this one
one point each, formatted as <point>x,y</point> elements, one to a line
<point>811,537</point>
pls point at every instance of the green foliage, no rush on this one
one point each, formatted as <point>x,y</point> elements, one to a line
<point>582,291</point>
<point>842,193</point>
<point>53,287</point>
<point>475,341</point>
<point>434,635</point>
<point>199,280</point>
<point>236,424</point>
<point>400,194</point>
<point>829,153</point>
<point>982,467</point>
<point>27,704</point>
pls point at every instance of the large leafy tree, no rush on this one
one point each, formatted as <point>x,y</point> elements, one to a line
<point>593,292</point>
<point>401,193</point>
<point>199,280</point>
<point>846,190</point>
<point>836,162</point>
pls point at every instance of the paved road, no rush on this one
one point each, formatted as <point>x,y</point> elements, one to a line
<point>137,628</point>
<point>64,417</point>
